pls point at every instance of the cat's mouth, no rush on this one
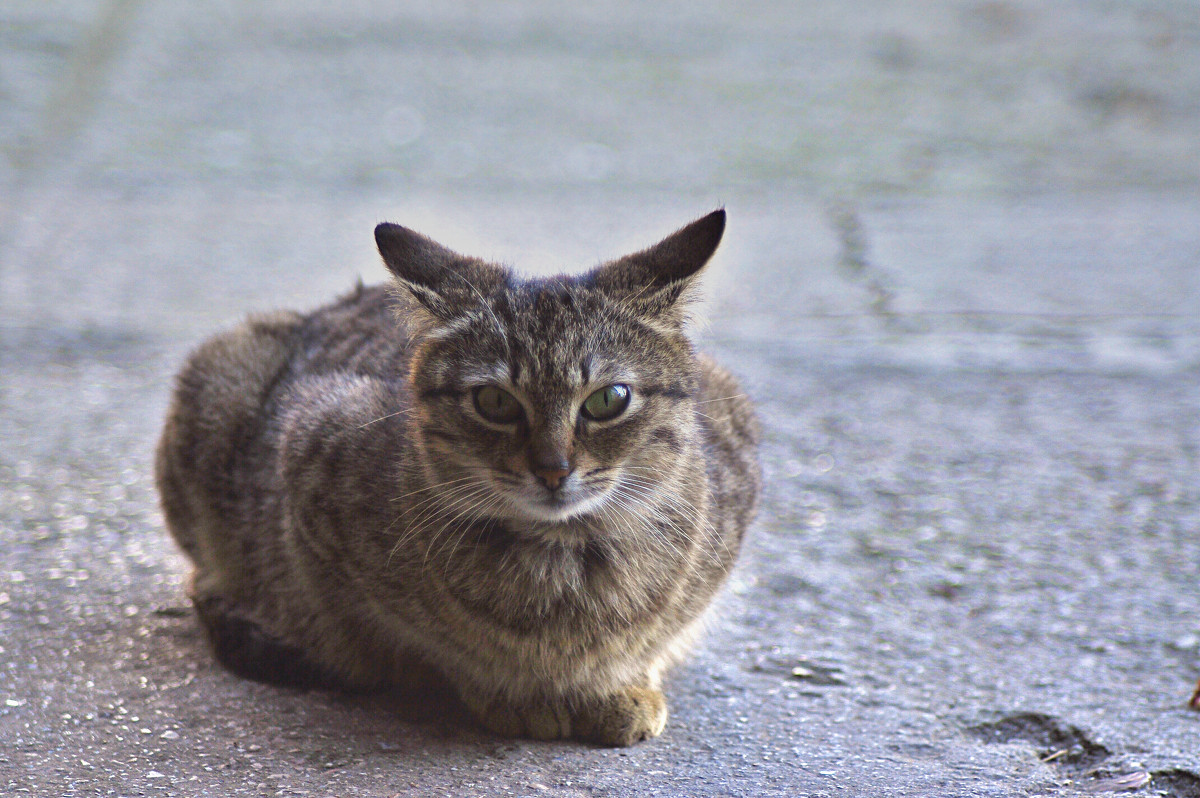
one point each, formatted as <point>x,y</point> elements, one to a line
<point>526,499</point>
<point>536,503</point>
<point>560,507</point>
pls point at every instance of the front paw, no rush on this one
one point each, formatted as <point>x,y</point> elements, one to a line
<point>540,721</point>
<point>628,716</point>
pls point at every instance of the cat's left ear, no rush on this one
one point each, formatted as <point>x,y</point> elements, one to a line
<point>445,283</point>
<point>655,281</point>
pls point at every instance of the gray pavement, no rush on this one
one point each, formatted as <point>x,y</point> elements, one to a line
<point>961,277</point>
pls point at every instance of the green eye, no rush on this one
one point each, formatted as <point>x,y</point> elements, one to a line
<point>497,405</point>
<point>606,403</point>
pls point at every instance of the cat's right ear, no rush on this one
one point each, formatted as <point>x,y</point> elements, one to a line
<point>445,283</point>
<point>658,281</point>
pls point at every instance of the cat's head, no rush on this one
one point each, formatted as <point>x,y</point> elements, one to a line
<point>548,399</point>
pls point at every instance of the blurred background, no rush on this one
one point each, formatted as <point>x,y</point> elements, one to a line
<point>979,173</point>
<point>961,277</point>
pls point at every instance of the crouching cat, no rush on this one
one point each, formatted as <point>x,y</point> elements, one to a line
<point>532,486</point>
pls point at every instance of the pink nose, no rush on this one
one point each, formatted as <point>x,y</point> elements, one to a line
<point>551,477</point>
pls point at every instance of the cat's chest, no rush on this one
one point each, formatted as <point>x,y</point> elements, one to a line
<point>529,584</point>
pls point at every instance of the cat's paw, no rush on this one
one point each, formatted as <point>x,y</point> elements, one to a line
<point>628,716</point>
<point>540,721</point>
<point>249,649</point>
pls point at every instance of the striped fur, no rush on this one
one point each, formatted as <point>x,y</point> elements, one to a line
<point>354,519</point>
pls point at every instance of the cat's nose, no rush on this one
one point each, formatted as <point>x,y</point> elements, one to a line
<point>552,476</point>
<point>550,464</point>
<point>550,461</point>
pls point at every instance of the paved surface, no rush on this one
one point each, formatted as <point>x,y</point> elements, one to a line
<point>961,278</point>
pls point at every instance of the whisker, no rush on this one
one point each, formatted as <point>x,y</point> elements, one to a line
<point>423,502</point>
<point>389,415</point>
<point>643,491</point>
<point>722,399</point>
<point>431,487</point>
<point>480,510</point>
<point>440,504</point>
<point>460,528</point>
<point>432,510</point>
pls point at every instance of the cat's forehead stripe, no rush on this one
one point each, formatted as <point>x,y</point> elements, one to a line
<point>494,373</point>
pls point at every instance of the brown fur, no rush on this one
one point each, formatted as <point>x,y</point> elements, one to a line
<point>353,517</point>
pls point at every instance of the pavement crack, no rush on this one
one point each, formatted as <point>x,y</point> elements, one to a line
<point>1089,764</point>
<point>853,239</point>
<point>854,263</point>
<point>1176,783</point>
<point>1058,742</point>
<point>71,102</point>
<point>75,96</point>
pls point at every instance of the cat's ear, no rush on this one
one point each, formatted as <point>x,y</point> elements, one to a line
<point>655,281</point>
<point>445,283</point>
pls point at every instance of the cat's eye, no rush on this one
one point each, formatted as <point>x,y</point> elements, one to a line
<point>497,405</point>
<point>606,403</point>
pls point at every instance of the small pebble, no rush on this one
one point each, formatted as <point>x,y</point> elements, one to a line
<point>1186,643</point>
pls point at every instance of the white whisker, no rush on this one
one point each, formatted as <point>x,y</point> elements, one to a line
<point>389,415</point>
<point>722,399</point>
<point>646,492</point>
<point>431,487</point>
<point>428,511</point>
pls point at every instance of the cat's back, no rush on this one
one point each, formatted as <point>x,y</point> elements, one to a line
<point>356,334</point>
<point>229,393</point>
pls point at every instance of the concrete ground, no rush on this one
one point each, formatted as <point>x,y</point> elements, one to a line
<point>961,278</point>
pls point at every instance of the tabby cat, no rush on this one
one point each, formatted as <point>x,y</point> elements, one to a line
<point>532,486</point>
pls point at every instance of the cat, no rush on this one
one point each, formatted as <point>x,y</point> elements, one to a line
<point>533,487</point>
